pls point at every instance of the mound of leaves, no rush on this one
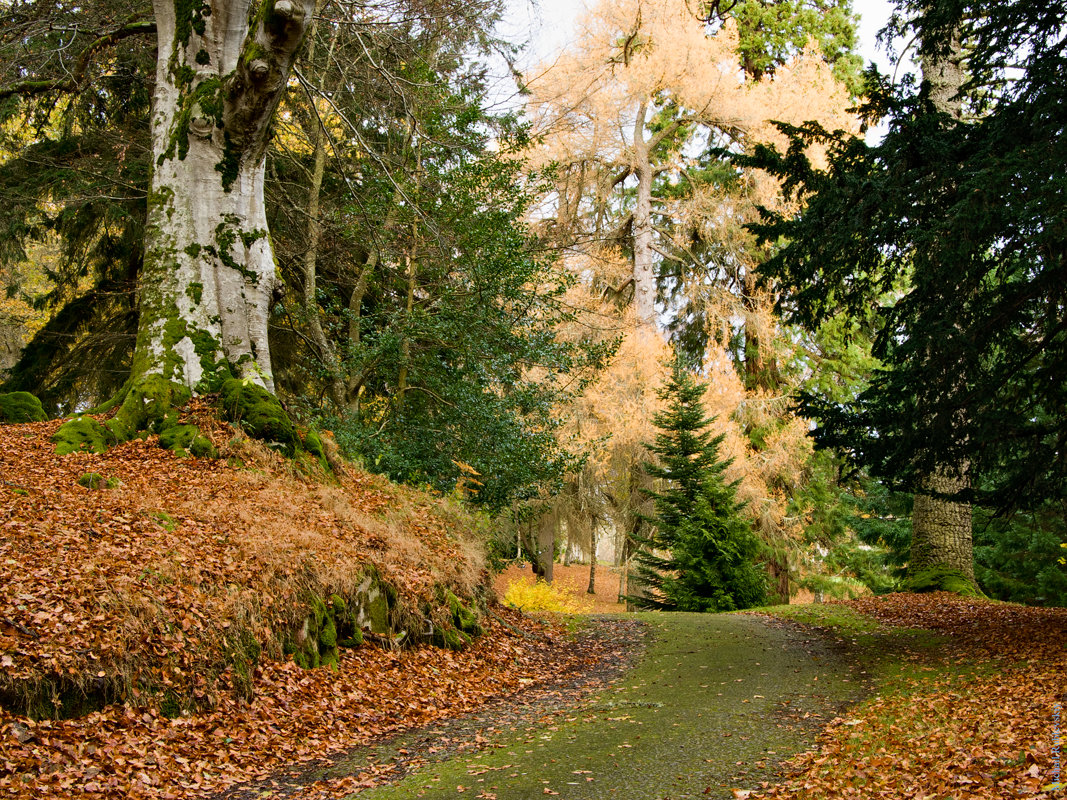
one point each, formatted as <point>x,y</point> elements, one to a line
<point>158,599</point>
<point>980,719</point>
<point>297,716</point>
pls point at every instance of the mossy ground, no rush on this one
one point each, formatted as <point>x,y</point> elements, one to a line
<point>942,579</point>
<point>715,703</point>
<point>18,407</point>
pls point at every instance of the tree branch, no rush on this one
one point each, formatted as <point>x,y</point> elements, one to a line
<point>72,83</point>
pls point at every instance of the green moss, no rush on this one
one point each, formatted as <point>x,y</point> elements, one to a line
<point>178,438</point>
<point>195,292</point>
<point>170,705</point>
<point>82,434</point>
<point>193,251</point>
<point>328,635</point>
<point>92,480</point>
<point>188,17</point>
<point>17,407</point>
<point>203,448</point>
<point>229,164</point>
<point>465,619</point>
<point>206,100</point>
<point>166,521</point>
<point>313,444</point>
<point>150,406</point>
<point>203,57</point>
<point>942,579</point>
<point>254,51</point>
<point>227,233</point>
<point>453,639</point>
<point>184,75</point>
<point>249,238</point>
<point>258,412</point>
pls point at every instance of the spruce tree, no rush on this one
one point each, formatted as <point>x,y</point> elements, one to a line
<point>701,554</point>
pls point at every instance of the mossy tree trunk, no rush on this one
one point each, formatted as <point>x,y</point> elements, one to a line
<point>941,535</point>
<point>209,269</point>
<point>941,529</point>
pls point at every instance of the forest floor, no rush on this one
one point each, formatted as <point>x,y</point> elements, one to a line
<point>904,696</point>
<point>946,697</point>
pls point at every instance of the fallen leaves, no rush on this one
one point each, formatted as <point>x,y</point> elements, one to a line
<point>137,593</point>
<point>974,723</point>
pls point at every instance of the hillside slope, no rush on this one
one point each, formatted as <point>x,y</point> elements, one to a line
<point>163,614</point>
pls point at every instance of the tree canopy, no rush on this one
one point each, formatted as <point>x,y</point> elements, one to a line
<point>954,229</point>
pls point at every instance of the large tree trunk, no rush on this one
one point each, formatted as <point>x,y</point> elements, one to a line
<point>209,269</point>
<point>941,528</point>
<point>941,536</point>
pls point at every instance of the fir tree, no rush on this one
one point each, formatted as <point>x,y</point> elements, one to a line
<point>701,553</point>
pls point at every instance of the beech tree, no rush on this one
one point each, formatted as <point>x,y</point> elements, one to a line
<point>207,270</point>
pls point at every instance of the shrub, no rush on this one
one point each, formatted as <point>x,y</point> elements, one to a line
<point>527,595</point>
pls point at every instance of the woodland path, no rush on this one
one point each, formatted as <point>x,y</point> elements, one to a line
<point>697,705</point>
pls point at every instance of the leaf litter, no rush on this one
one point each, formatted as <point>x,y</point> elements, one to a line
<point>153,583</point>
<point>979,719</point>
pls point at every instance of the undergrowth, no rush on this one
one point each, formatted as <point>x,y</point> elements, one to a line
<point>538,596</point>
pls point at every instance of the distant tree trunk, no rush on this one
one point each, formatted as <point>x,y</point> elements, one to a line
<point>644,278</point>
<point>327,352</point>
<point>592,559</point>
<point>543,550</point>
<point>546,546</point>
<point>208,273</point>
<point>941,533</point>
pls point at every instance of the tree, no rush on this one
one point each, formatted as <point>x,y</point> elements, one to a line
<point>624,113</point>
<point>650,218</point>
<point>961,203</point>
<point>207,272</point>
<point>701,555</point>
<point>422,315</point>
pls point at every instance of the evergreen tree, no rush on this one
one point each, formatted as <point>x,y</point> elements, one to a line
<point>701,554</point>
<point>963,207</point>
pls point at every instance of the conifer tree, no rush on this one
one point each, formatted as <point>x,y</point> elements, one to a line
<point>701,554</point>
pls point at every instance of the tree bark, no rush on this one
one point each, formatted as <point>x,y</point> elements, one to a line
<point>209,273</point>
<point>546,545</point>
<point>941,535</point>
<point>592,560</point>
<point>941,528</point>
<point>644,278</point>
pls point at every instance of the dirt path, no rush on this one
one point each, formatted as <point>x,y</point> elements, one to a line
<point>710,703</point>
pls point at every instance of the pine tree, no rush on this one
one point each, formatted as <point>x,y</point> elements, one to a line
<point>701,553</point>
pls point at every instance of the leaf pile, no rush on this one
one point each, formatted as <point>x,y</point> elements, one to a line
<point>975,722</point>
<point>153,590</point>
<point>298,715</point>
